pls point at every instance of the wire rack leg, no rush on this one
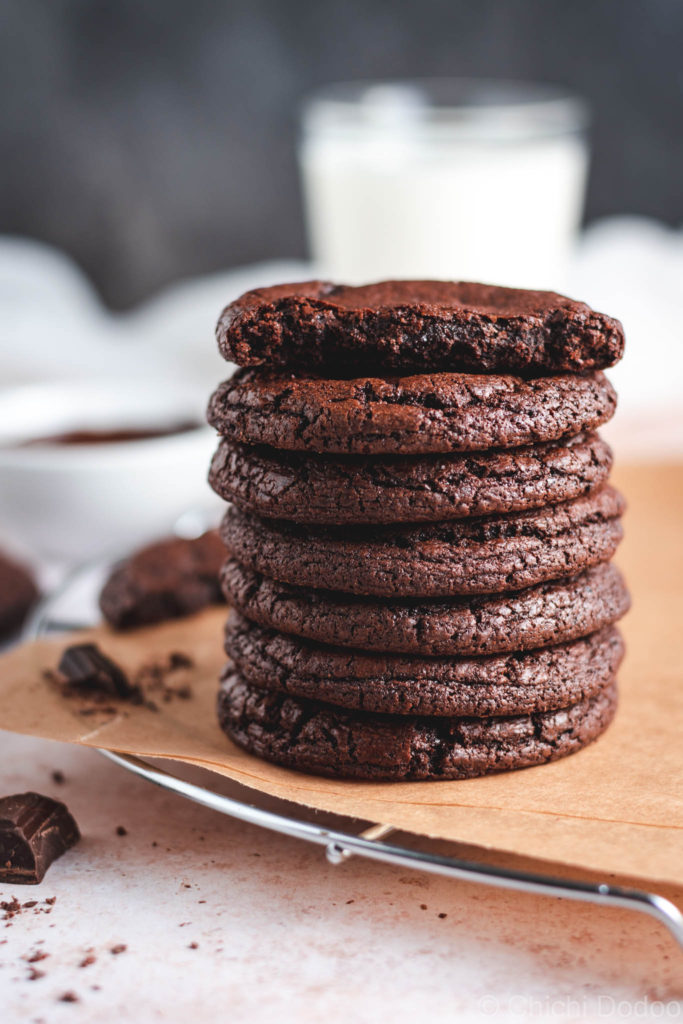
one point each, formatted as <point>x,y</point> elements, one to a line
<point>339,846</point>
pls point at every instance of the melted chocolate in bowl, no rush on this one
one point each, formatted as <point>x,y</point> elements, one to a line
<point>89,437</point>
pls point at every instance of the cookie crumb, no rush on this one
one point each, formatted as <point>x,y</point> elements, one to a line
<point>121,831</point>
<point>68,997</point>
<point>177,659</point>
<point>34,958</point>
<point>119,948</point>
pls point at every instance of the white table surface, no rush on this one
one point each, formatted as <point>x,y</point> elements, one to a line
<point>282,935</point>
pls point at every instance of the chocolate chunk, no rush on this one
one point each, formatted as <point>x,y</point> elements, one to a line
<point>34,831</point>
<point>85,666</point>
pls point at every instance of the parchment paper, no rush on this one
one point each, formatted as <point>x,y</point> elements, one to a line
<point>615,807</point>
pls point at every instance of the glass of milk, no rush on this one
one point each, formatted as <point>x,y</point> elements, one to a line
<point>444,178</point>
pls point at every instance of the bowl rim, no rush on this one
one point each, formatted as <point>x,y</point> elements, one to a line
<point>172,400</point>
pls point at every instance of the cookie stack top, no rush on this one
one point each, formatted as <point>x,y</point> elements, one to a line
<point>417,327</point>
<point>505,385</point>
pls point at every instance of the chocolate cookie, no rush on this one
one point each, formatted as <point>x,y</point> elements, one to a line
<point>311,737</point>
<point>440,412</point>
<point>18,593</point>
<point>407,489</point>
<point>504,684</point>
<point>413,326</point>
<point>470,556</point>
<point>166,580</point>
<point>548,613</point>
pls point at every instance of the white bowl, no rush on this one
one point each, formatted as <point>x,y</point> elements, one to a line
<point>73,502</point>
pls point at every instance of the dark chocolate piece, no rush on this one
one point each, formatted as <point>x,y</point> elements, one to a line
<point>34,831</point>
<point>84,666</point>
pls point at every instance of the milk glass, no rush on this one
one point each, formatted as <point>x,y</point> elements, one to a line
<point>445,178</point>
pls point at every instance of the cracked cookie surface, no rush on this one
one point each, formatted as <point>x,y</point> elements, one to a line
<point>548,613</point>
<point>303,487</point>
<point>312,737</point>
<point>413,326</point>
<point>467,556</point>
<point>426,413</point>
<point>505,684</point>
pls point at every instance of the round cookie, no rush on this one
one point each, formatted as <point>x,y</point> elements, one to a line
<point>428,413</point>
<point>18,593</point>
<point>312,737</point>
<point>166,580</point>
<point>545,614</point>
<point>413,326</point>
<point>503,684</point>
<point>407,489</point>
<point>469,556</point>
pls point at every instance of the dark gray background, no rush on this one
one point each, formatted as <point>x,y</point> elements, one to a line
<point>154,140</point>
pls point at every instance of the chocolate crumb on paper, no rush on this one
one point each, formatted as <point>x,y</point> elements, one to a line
<point>86,673</point>
<point>154,678</point>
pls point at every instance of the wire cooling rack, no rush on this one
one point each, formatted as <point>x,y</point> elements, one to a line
<point>73,606</point>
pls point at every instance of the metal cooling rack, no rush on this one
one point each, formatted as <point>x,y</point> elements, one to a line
<point>74,606</point>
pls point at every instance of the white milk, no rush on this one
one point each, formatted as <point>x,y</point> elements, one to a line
<point>396,186</point>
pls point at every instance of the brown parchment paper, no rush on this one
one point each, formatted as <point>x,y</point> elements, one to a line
<point>615,807</point>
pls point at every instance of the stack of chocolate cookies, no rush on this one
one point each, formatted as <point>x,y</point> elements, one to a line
<point>421,528</point>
